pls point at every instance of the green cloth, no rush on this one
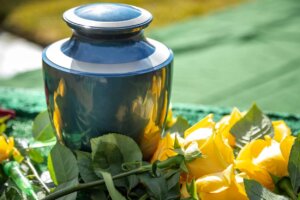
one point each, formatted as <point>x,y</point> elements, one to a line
<point>245,54</point>
<point>28,103</point>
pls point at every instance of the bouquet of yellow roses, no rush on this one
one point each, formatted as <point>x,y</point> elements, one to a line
<point>243,156</point>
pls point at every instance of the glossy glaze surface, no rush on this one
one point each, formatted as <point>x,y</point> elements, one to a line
<point>98,83</point>
<point>82,107</point>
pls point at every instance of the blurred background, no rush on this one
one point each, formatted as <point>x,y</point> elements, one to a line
<point>227,52</point>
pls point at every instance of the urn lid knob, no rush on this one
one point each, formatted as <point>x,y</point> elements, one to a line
<point>102,18</point>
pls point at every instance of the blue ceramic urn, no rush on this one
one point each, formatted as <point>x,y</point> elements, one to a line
<point>108,77</point>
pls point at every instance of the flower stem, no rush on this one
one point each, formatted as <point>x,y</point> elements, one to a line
<point>170,162</point>
<point>37,176</point>
<point>92,184</point>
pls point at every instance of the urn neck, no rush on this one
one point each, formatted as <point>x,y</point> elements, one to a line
<point>86,36</point>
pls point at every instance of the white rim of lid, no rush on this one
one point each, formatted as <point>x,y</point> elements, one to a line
<point>72,18</point>
<point>56,56</point>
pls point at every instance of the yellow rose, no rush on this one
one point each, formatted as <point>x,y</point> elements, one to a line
<point>217,154</point>
<point>281,130</point>
<point>6,148</point>
<point>165,147</point>
<point>263,157</point>
<point>219,185</point>
<point>226,123</point>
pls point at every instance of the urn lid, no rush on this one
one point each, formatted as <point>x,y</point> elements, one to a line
<point>108,41</point>
<point>107,18</point>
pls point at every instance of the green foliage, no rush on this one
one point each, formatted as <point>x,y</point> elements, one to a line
<point>180,126</point>
<point>85,166</point>
<point>36,156</point>
<point>2,128</point>
<point>12,193</point>
<point>67,185</point>
<point>294,165</point>
<point>130,151</point>
<point>62,164</point>
<point>2,123</point>
<point>109,152</point>
<point>253,125</point>
<point>192,190</point>
<point>256,191</point>
<point>116,161</point>
<point>155,186</point>
<point>42,129</point>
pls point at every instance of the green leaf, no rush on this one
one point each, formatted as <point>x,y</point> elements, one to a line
<point>172,178</point>
<point>113,192</point>
<point>110,151</point>
<point>13,193</point>
<point>4,118</point>
<point>156,186</point>
<point>108,157</point>
<point>192,190</point>
<point>36,156</point>
<point>3,196</point>
<point>128,147</point>
<point>62,164</point>
<point>132,181</point>
<point>256,191</point>
<point>85,166</point>
<point>294,165</point>
<point>183,167</point>
<point>42,129</point>
<point>97,194</point>
<point>180,126</point>
<point>252,126</point>
<point>66,185</point>
<point>36,144</point>
<point>2,128</point>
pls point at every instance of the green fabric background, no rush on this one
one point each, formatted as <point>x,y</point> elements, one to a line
<point>28,103</point>
<point>249,53</point>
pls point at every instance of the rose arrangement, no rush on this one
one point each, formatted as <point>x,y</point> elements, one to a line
<point>242,156</point>
<point>239,147</point>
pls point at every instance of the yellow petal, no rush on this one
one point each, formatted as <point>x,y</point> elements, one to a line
<point>3,143</point>
<point>215,182</point>
<point>3,147</point>
<point>239,179</point>
<point>6,147</point>
<point>226,123</point>
<point>281,130</point>
<point>200,136</point>
<point>271,159</point>
<point>254,172</point>
<point>165,148</point>
<point>251,150</point>
<point>231,193</point>
<point>286,146</point>
<point>207,122</point>
<point>221,185</point>
<point>10,145</point>
<point>17,155</point>
<point>217,156</point>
